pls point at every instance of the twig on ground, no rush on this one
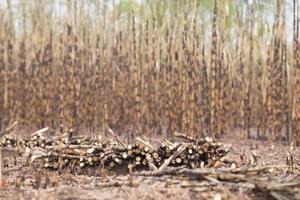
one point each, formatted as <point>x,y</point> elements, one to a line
<point>167,171</point>
<point>204,172</point>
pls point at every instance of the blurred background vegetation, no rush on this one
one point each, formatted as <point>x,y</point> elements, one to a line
<point>149,66</point>
<point>122,8</point>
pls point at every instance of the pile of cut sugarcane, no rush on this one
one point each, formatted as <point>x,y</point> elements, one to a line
<point>81,151</point>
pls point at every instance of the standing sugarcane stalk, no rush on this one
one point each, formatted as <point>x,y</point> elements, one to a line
<point>275,91</point>
<point>2,75</point>
<point>277,77</point>
<point>240,118</point>
<point>214,95</point>
<point>286,105</point>
<point>136,79</point>
<point>296,92</point>
<point>285,80</point>
<point>242,85</point>
<point>8,65</point>
<point>223,90</point>
<point>22,70</point>
<point>248,81</point>
<point>250,72</point>
<point>205,115</point>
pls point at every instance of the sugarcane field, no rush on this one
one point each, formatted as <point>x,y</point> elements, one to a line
<point>150,99</point>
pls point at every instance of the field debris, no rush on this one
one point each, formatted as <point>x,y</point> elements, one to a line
<point>81,151</point>
<point>197,164</point>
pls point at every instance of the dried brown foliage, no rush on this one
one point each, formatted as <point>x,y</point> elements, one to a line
<point>148,71</point>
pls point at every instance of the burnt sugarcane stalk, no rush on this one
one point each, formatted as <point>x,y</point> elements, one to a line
<point>60,152</point>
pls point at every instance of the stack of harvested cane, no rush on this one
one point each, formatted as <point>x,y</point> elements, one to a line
<point>63,152</point>
<point>8,141</point>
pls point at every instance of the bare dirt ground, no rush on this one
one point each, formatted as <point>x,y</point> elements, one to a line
<point>31,182</point>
